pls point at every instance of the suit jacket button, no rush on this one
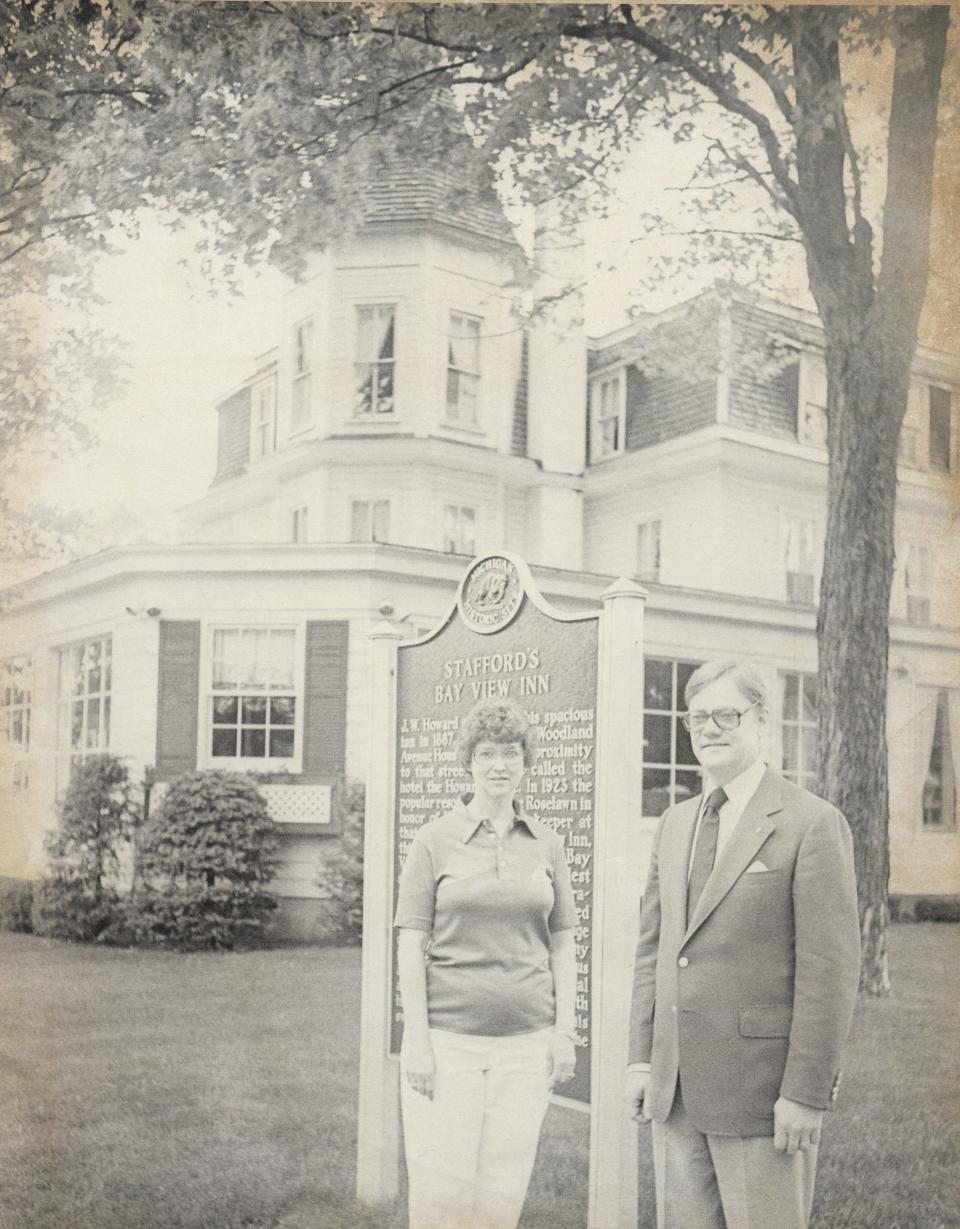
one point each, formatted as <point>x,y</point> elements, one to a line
<point>683,962</point>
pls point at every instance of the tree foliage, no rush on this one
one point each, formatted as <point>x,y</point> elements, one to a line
<point>80,898</point>
<point>270,119</point>
<point>340,874</point>
<point>204,864</point>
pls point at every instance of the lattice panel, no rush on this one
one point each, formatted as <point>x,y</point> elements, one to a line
<point>289,804</point>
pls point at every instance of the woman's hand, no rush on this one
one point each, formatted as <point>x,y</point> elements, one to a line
<point>563,1059</point>
<point>416,1058</point>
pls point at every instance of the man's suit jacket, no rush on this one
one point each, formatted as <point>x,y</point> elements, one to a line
<point>754,997</point>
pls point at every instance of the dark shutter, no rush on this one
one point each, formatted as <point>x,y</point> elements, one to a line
<point>177,697</point>
<point>325,699</point>
<point>233,437</point>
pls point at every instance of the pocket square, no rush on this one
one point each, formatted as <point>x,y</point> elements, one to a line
<point>756,868</point>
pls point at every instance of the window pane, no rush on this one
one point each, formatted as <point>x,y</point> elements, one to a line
<point>381,520</point>
<point>282,710</point>
<point>684,670</point>
<point>684,745</point>
<point>657,683</point>
<point>224,742</point>
<point>688,784</point>
<point>253,666</point>
<point>363,398</point>
<point>656,739</point>
<point>106,723</point>
<point>385,323</point>
<point>76,669</point>
<point>453,395</point>
<point>281,658</point>
<point>384,388</point>
<point>281,743</point>
<point>225,710</point>
<point>254,710</point>
<point>93,723</point>
<point>808,750</point>
<point>791,689</point>
<point>656,790</point>
<point>810,697</point>
<point>467,530</point>
<point>791,754</point>
<point>226,666</point>
<point>76,723</point>
<point>253,743</point>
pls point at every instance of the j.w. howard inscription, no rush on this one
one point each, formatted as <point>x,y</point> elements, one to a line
<point>501,642</point>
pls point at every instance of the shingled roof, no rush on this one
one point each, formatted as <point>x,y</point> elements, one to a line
<point>423,193</point>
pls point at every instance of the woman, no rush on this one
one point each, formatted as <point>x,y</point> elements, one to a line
<point>487,977</point>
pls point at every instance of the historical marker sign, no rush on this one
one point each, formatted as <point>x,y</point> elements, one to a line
<point>503,641</point>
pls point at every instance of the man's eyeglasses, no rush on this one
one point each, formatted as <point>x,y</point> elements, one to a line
<point>722,718</point>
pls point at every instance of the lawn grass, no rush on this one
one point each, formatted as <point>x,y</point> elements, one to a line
<point>157,1091</point>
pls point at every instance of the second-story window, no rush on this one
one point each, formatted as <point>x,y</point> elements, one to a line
<point>459,529</point>
<point>375,358</point>
<point>939,428</point>
<point>608,415</point>
<point>800,552</point>
<point>264,433</point>
<point>648,550</point>
<point>916,574</point>
<point>300,524</point>
<point>301,409</point>
<point>463,370</point>
<point>370,520</point>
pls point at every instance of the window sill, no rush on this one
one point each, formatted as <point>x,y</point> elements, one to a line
<point>461,428</point>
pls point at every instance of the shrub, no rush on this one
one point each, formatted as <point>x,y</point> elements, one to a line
<point>79,899</point>
<point>205,860</point>
<point>16,905</point>
<point>340,876</point>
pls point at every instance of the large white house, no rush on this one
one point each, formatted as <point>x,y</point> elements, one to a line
<point>405,420</point>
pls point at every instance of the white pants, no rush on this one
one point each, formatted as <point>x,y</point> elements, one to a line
<point>470,1150</point>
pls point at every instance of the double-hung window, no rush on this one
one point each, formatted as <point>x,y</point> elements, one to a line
<point>254,702</point>
<point>15,699</point>
<point>459,529</point>
<point>375,357</point>
<point>301,409</point>
<point>939,780</point>
<point>939,434</point>
<point>300,524</point>
<point>798,728</point>
<point>370,520</point>
<point>670,769</point>
<point>648,550</point>
<point>916,574</point>
<point>608,409</point>
<point>85,681</point>
<point>800,553</point>
<point>264,434</point>
<point>463,370</point>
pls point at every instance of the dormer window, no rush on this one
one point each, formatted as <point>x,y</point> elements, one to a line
<point>301,412</point>
<point>374,364</point>
<point>608,416</point>
<point>463,370</point>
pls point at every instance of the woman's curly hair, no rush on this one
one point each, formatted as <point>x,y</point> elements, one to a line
<point>497,721</point>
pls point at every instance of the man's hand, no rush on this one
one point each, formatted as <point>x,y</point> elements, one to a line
<point>418,1063</point>
<point>563,1059</point>
<point>635,1092</point>
<point>795,1126</point>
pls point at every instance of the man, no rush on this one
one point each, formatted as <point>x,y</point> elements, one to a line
<point>746,976</point>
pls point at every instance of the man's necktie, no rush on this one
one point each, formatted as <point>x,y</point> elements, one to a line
<point>705,852</point>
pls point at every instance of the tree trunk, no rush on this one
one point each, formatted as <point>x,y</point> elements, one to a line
<point>870,328</point>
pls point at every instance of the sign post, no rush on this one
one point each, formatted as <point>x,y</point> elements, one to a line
<point>578,678</point>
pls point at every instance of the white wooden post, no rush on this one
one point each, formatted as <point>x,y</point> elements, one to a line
<point>378,1102</point>
<point>612,1199</point>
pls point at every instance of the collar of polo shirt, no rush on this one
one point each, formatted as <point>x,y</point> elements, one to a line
<point>470,825</point>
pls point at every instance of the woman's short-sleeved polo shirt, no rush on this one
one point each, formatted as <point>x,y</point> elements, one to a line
<point>489,906</point>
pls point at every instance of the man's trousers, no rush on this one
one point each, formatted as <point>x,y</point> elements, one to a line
<point>470,1150</point>
<point>727,1181</point>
